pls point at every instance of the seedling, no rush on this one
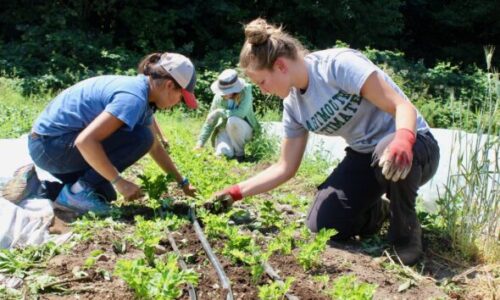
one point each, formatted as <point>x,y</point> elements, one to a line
<point>275,290</point>
<point>92,259</point>
<point>309,255</point>
<point>349,288</point>
<point>163,281</point>
<point>269,217</point>
<point>284,242</point>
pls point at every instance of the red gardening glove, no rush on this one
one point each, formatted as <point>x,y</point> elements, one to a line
<point>397,156</point>
<point>223,200</point>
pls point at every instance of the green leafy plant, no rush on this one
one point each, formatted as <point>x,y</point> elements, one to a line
<point>92,259</point>
<point>163,281</point>
<point>156,186</point>
<point>148,234</point>
<point>269,216</point>
<point>309,253</point>
<point>348,288</point>
<point>284,241</point>
<point>275,290</point>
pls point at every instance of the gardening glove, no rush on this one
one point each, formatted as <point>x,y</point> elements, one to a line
<point>214,116</point>
<point>394,154</point>
<point>223,200</point>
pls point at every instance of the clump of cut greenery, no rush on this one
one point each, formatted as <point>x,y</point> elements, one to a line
<point>89,225</point>
<point>19,262</point>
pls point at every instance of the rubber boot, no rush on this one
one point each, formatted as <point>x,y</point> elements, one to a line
<point>375,218</point>
<point>410,250</point>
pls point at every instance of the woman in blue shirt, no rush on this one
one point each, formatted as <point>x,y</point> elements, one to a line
<point>95,129</point>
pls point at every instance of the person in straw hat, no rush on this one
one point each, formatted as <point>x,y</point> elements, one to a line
<point>231,121</point>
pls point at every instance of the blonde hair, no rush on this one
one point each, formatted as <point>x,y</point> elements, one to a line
<point>264,43</point>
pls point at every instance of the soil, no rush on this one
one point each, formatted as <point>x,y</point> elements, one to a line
<point>339,259</point>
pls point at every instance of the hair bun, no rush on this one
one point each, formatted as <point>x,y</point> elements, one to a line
<point>258,31</point>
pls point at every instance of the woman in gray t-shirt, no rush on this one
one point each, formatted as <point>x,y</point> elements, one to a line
<point>340,92</point>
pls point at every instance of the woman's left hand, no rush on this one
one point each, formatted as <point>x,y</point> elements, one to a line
<point>189,190</point>
<point>394,154</point>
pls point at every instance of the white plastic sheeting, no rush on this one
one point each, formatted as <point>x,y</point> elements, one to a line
<point>26,223</point>
<point>451,142</point>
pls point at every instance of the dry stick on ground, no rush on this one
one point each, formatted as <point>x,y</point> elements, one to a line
<point>409,271</point>
<point>191,290</point>
<point>226,286</point>
<point>274,276</point>
<point>464,274</point>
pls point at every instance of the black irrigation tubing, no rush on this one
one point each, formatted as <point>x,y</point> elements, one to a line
<point>226,285</point>
<point>191,290</point>
<point>274,276</point>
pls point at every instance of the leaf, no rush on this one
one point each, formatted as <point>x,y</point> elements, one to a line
<point>405,285</point>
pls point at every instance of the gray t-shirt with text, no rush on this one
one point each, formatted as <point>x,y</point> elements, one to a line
<point>332,104</point>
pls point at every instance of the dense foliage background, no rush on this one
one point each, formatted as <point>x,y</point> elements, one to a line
<point>433,48</point>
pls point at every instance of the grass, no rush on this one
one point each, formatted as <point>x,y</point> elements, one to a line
<point>471,201</point>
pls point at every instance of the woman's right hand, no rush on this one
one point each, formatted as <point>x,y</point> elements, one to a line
<point>129,190</point>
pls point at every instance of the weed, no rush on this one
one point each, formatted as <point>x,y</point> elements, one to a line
<point>470,204</point>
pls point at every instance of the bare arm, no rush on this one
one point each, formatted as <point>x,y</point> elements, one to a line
<point>161,135</point>
<point>292,151</point>
<point>161,157</point>
<point>378,92</point>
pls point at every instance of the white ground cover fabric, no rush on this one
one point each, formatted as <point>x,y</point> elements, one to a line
<point>26,223</point>
<point>452,143</point>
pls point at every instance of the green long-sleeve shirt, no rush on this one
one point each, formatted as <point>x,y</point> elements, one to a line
<point>244,110</point>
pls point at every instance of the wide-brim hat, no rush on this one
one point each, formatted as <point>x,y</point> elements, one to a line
<point>227,83</point>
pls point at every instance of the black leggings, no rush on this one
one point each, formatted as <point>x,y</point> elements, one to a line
<point>349,200</point>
